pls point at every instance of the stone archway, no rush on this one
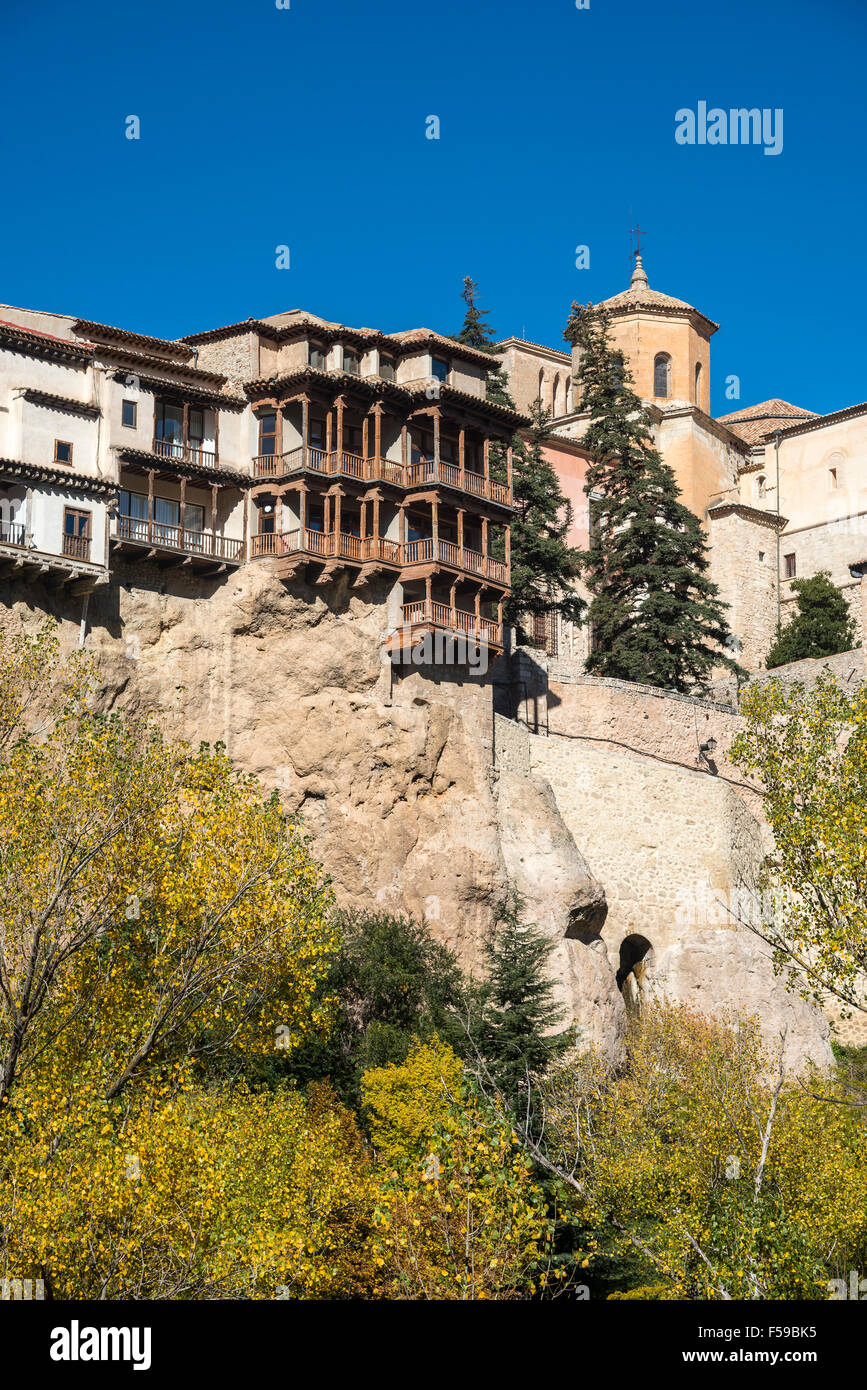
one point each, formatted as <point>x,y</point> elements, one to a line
<point>636,955</point>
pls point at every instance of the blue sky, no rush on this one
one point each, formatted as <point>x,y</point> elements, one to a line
<point>305,127</point>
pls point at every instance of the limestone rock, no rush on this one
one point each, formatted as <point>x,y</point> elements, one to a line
<point>725,969</point>
<point>394,786</point>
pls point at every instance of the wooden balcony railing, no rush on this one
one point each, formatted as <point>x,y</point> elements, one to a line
<point>76,547</point>
<point>348,547</point>
<point>186,452</point>
<point>453,620</point>
<point>448,553</point>
<point>164,536</point>
<point>11,533</point>
<point>419,474</point>
<point>426,471</point>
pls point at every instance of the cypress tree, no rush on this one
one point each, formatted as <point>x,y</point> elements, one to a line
<point>822,626</point>
<point>656,616</point>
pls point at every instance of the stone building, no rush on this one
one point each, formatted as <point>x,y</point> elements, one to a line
<point>333,449</point>
<point>325,448</point>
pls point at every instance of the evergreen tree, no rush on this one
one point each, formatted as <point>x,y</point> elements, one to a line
<point>822,626</point>
<point>391,982</point>
<point>517,1013</point>
<point>655,614</point>
<point>543,565</point>
<point>477,333</point>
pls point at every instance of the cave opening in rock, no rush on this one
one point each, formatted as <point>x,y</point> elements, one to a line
<point>636,954</point>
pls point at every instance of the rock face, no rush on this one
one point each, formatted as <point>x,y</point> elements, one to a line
<point>719,969</point>
<point>393,781</point>
<point>408,809</point>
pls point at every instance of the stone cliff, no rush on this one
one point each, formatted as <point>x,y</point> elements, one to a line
<point>415,797</point>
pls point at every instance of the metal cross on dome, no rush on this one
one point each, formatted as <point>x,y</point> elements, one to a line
<point>634,240</point>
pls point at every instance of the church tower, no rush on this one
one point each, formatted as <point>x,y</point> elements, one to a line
<point>665,341</point>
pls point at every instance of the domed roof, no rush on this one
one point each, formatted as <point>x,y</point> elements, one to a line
<point>640,297</point>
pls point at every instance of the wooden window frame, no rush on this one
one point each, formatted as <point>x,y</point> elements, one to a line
<point>791,565</point>
<point>134,407</point>
<point>67,443</point>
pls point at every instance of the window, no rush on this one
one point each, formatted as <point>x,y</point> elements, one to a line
<point>761,556</point>
<point>129,414</point>
<point>353,439</point>
<point>439,369</point>
<point>351,362</point>
<point>386,368</point>
<point>761,484</point>
<point>554,384</point>
<point>267,518</point>
<point>698,383</point>
<point>268,433</point>
<point>169,429</point>
<point>133,509</point>
<point>62,451</point>
<point>832,478</point>
<point>196,426</point>
<point>318,356</point>
<point>791,567</point>
<point>316,433</point>
<point>76,533</point>
<point>662,374</point>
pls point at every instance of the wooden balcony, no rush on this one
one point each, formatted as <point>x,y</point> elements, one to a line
<point>185,452</point>
<point>77,547</point>
<point>131,533</point>
<point>424,615</point>
<point>20,559</point>
<point>321,545</point>
<point>429,473</point>
<point>423,473</point>
<point>430,552</point>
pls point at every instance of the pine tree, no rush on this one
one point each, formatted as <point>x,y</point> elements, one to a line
<point>476,333</point>
<point>822,626</point>
<point>517,1014</point>
<point>544,565</point>
<point>655,614</point>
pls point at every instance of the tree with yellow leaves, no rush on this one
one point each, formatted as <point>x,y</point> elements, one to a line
<point>459,1214</point>
<point>156,908</point>
<point>808,749</point>
<point>702,1164</point>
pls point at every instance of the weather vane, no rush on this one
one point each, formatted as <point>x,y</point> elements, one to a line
<point>634,240</point>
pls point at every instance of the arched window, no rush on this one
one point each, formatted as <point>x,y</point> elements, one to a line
<point>662,374</point>
<point>698,383</point>
<point>761,483</point>
<point>541,384</point>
